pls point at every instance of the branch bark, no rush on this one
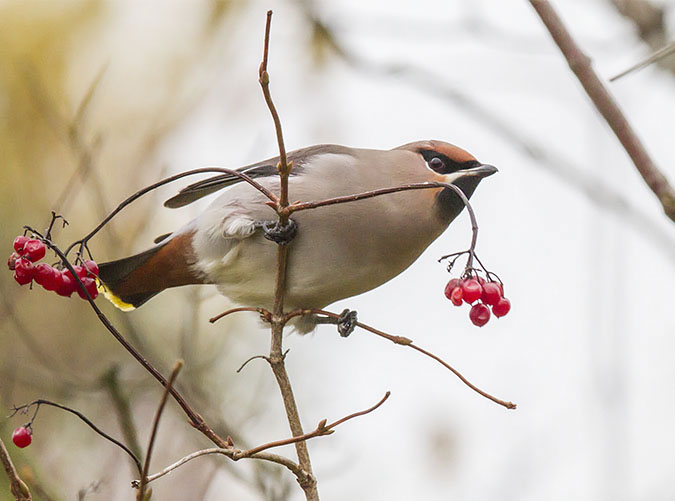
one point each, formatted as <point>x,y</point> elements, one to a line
<point>16,485</point>
<point>276,357</point>
<point>580,64</point>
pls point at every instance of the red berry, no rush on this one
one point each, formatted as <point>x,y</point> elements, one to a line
<point>472,290</point>
<point>34,250</point>
<point>24,271</point>
<point>18,243</point>
<point>67,286</point>
<point>79,271</point>
<point>90,285</point>
<point>452,285</point>
<point>456,296</point>
<point>22,437</point>
<point>91,267</point>
<point>12,259</point>
<point>492,293</point>
<point>479,314</point>
<point>47,276</point>
<point>502,307</point>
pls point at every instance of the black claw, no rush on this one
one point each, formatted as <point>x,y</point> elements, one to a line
<point>282,235</point>
<point>347,322</point>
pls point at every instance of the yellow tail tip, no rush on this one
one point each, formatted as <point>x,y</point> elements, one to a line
<point>113,298</point>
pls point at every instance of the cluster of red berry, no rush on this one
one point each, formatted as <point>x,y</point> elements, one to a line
<point>29,250</point>
<point>22,436</point>
<point>471,290</point>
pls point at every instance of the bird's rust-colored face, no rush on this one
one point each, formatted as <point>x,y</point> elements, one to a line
<point>448,163</point>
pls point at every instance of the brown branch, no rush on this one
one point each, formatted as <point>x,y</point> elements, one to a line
<point>84,418</point>
<point>301,475</point>
<point>16,486</point>
<point>404,341</point>
<point>580,64</point>
<point>276,357</point>
<point>266,314</point>
<point>321,429</point>
<point>155,426</point>
<point>257,452</point>
<point>284,166</point>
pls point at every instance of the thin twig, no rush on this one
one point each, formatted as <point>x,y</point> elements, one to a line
<point>321,429</point>
<point>195,419</point>
<point>237,454</point>
<point>580,64</point>
<point>652,58</point>
<point>404,341</point>
<point>230,452</point>
<point>84,418</point>
<point>155,426</point>
<point>167,180</point>
<point>266,314</point>
<point>16,486</point>
<point>276,358</point>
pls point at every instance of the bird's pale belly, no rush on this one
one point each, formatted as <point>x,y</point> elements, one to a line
<point>321,269</point>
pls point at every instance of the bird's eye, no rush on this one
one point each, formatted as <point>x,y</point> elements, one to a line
<point>436,163</point>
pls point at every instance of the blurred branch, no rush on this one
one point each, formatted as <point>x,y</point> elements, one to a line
<point>596,192</point>
<point>17,487</point>
<point>650,21</point>
<point>110,381</point>
<point>657,56</point>
<point>607,106</point>
<point>155,427</point>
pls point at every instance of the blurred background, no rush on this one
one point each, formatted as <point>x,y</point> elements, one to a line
<point>101,98</point>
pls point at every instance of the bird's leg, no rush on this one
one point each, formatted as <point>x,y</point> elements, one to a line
<point>282,235</point>
<point>346,323</point>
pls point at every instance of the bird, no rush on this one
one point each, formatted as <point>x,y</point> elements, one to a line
<point>339,251</point>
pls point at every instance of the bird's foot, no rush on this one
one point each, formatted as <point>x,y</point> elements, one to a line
<point>347,322</point>
<point>282,235</point>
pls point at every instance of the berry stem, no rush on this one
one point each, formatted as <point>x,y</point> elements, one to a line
<point>84,418</point>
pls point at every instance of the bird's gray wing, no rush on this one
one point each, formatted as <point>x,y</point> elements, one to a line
<point>266,168</point>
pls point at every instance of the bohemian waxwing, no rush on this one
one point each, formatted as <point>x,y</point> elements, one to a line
<point>339,251</point>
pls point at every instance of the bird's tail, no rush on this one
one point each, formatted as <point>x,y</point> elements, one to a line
<point>130,282</point>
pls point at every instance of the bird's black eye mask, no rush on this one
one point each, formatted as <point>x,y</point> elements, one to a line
<point>442,164</point>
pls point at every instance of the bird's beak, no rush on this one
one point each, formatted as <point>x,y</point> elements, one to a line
<point>481,171</point>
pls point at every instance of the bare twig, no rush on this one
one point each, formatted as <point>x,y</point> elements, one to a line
<point>276,358</point>
<point>321,429</point>
<point>266,314</point>
<point>84,418</point>
<point>301,475</point>
<point>17,487</point>
<point>607,106</point>
<point>237,454</point>
<point>652,58</point>
<point>155,426</point>
<point>167,180</point>
<point>404,341</point>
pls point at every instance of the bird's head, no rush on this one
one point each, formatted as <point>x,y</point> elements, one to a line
<point>448,163</point>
